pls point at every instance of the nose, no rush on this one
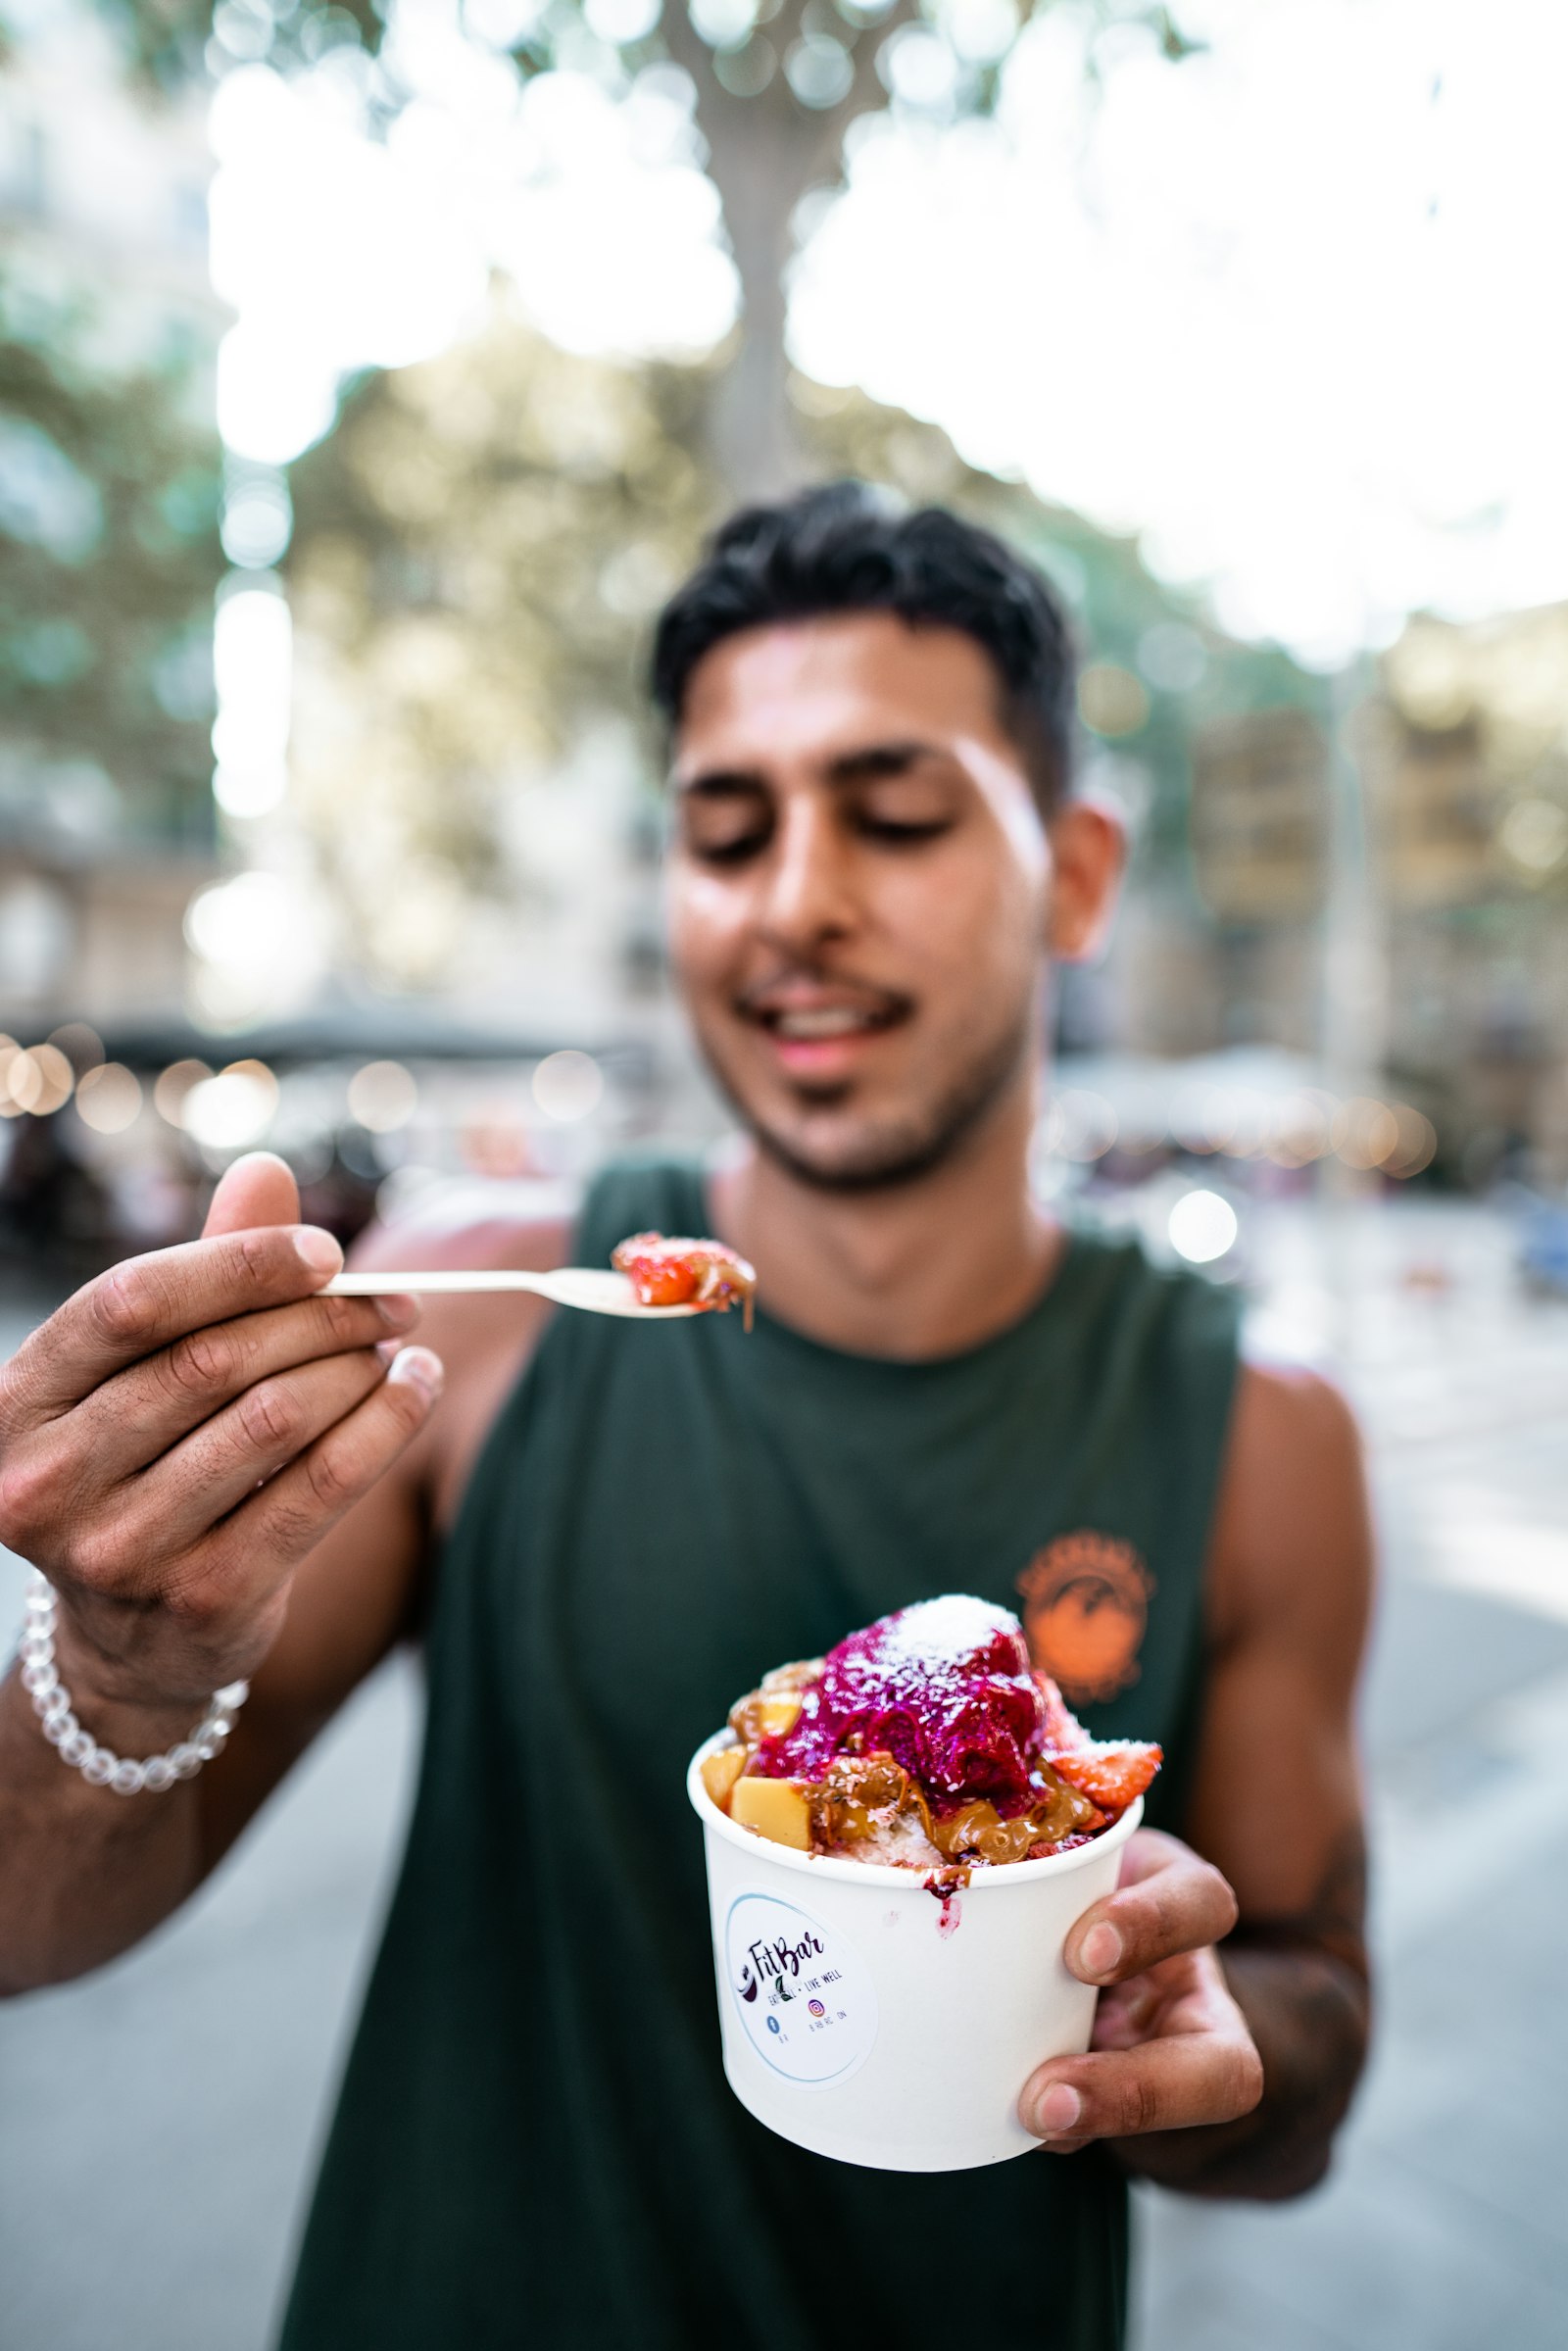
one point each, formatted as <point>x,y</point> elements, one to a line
<point>807,896</point>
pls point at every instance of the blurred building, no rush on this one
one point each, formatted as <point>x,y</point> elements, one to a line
<point>1259,830</point>
<point>1466,759</point>
<point>108,525</point>
<point>1460,767</point>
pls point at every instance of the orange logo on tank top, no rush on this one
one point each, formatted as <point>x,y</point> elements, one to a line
<point>1086,1604</point>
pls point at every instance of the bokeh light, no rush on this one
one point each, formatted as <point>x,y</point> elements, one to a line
<point>253,674</point>
<point>383,1097</point>
<point>1084,1126</point>
<point>1172,657</point>
<point>723,23</point>
<point>1300,1127</point>
<point>80,1044</point>
<point>232,1110</point>
<point>258,516</point>
<point>1202,1227</point>
<point>1110,700</point>
<point>109,1097</point>
<point>622,22</point>
<point>819,70</point>
<point>1415,1143</point>
<point>172,1086</point>
<point>260,943</point>
<point>1365,1133</point>
<point>1534,833</point>
<point>34,1080</point>
<point>568,1085</point>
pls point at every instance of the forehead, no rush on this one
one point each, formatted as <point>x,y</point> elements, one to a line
<point>799,689</point>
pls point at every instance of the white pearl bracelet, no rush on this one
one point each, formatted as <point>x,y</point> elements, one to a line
<point>51,1704</point>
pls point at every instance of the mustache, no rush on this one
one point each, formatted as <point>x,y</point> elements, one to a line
<point>761,995</point>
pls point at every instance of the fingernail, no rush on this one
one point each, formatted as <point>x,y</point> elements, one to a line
<point>398,1313</point>
<point>1058,2110</point>
<point>319,1249</point>
<point>1101,1949</point>
<point>420,1369</point>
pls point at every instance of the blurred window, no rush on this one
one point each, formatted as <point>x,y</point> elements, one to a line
<point>188,214</point>
<point>24,165</point>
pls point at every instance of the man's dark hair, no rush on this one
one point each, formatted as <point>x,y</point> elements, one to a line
<point>846,549</point>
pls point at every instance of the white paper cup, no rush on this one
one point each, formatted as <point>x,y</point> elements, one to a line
<point>865,2019</point>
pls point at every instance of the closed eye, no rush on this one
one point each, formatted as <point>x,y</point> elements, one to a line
<point>902,833</point>
<point>723,821</point>
<point>734,849</point>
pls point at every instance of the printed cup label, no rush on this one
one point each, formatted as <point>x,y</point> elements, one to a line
<point>803,1993</point>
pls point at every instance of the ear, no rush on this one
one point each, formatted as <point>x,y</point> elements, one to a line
<point>1089,854</point>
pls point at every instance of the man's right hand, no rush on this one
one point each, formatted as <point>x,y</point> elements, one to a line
<point>179,1436</point>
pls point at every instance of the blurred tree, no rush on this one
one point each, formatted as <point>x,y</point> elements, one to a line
<point>109,558</point>
<point>476,550</point>
<point>778,84</point>
<point>479,549</point>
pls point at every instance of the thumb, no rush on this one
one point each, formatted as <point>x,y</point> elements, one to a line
<point>256,1189</point>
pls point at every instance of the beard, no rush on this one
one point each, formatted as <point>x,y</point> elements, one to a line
<point>874,1154</point>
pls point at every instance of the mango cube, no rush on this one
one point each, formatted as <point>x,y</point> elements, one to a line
<point>776,1809</point>
<point>777,1712</point>
<point>720,1772</point>
<point>793,1676</point>
<point>763,1714</point>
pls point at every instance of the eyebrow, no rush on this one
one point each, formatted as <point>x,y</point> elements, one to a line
<point>880,758</point>
<point>864,766</point>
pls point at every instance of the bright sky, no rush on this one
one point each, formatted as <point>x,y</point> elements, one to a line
<point>1290,311</point>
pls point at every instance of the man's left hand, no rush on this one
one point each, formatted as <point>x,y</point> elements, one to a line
<point>1171,2049</point>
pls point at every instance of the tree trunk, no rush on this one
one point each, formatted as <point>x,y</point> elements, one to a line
<point>762,167</point>
<point>764,154</point>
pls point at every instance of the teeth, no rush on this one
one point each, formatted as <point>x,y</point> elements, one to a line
<point>832,1021</point>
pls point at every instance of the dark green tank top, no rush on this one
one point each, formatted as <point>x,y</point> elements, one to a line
<point>535,2144</point>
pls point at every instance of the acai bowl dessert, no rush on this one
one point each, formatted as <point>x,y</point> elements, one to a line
<point>900,1835</point>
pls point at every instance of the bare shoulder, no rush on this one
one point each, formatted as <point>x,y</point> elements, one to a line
<point>484,1343</point>
<point>1289,1416</point>
<point>1292,1545</point>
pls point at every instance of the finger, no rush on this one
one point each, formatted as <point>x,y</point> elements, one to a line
<point>255,1189</point>
<point>142,1412</point>
<point>210,1471</point>
<point>1180,1905</point>
<point>147,1302</point>
<point>1175,2084</point>
<point>1125,2013</point>
<point>289,1517</point>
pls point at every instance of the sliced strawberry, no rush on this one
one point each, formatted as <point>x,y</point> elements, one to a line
<point>661,1281</point>
<point>1062,1727</point>
<point>1109,1772</point>
<point>685,1273</point>
<point>660,1271</point>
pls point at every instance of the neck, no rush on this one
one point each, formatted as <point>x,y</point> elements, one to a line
<point>910,1271</point>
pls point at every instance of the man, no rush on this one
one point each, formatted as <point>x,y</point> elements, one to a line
<point>604,1533</point>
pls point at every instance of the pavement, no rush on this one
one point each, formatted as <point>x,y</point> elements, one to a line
<point>1444,2226</point>
<point>158,2120</point>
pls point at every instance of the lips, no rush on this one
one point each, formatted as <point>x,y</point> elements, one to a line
<point>820,1029</point>
<point>809,1027</point>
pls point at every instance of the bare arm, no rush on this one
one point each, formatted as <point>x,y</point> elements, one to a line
<point>364,1587</point>
<point>225,1487</point>
<point>174,1444</point>
<point>1277,1801</point>
<point>1226,2072</point>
